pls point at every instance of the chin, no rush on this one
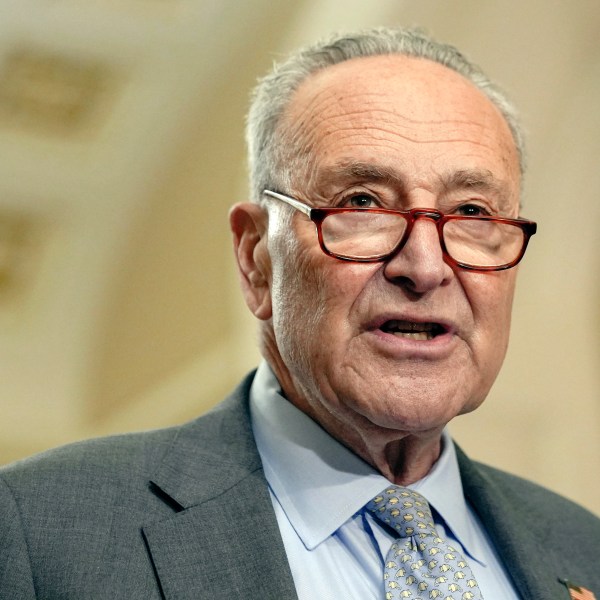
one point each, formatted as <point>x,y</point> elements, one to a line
<point>413,415</point>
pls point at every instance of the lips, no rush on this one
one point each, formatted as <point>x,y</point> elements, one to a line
<point>419,331</point>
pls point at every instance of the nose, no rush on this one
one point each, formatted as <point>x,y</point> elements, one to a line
<point>420,264</point>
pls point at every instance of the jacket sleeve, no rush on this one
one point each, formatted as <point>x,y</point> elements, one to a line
<point>16,577</point>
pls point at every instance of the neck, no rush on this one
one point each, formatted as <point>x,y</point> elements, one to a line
<point>402,457</point>
<point>406,460</point>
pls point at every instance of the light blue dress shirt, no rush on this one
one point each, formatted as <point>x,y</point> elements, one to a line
<point>319,489</point>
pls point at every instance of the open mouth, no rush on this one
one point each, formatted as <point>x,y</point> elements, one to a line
<point>413,331</point>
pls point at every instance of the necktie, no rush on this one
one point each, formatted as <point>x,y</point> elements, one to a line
<point>420,565</point>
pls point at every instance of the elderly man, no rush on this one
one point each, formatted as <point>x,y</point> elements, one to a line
<point>378,255</point>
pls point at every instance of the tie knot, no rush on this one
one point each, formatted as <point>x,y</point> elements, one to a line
<point>404,510</point>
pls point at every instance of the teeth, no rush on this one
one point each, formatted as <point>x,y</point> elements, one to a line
<point>411,330</point>
<point>417,335</point>
<point>407,326</point>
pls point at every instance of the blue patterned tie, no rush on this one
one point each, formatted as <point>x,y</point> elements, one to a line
<point>420,565</point>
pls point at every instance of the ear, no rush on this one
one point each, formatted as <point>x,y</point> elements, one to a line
<point>248,223</point>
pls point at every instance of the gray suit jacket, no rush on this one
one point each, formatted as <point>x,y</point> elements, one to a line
<point>185,513</point>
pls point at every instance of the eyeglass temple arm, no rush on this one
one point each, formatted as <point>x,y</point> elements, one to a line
<point>297,205</point>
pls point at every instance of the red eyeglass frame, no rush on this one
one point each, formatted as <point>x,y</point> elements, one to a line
<point>318,215</point>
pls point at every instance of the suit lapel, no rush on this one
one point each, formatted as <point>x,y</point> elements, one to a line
<point>223,548</point>
<point>518,541</point>
<point>223,528</point>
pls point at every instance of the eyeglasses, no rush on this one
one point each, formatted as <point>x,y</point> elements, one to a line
<point>375,234</point>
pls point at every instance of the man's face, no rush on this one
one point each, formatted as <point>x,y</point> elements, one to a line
<point>406,344</point>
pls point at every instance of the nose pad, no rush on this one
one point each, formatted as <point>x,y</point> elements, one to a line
<point>420,262</point>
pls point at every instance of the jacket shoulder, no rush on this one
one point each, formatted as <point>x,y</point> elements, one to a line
<point>539,500</point>
<point>523,518</point>
<point>72,518</point>
<point>106,457</point>
<point>120,461</point>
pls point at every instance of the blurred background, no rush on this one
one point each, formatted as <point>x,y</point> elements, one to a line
<point>121,145</point>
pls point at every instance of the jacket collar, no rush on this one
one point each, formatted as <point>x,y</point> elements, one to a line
<point>211,454</point>
<point>515,534</point>
<point>223,527</point>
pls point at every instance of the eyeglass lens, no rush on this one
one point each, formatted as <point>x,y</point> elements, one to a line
<point>367,235</point>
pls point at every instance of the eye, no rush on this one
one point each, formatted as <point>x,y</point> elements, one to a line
<point>360,201</point>
<point>472,210</point>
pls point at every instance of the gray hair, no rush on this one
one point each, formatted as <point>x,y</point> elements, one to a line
<point>267,150</point>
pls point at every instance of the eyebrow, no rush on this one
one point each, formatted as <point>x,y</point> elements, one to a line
<point>366,171</point>
<point>480,180</point>
<point>473,179</point>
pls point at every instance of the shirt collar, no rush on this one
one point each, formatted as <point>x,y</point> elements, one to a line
<point>307,470</point>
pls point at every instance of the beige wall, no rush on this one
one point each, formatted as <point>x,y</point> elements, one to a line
<point>121,144</point>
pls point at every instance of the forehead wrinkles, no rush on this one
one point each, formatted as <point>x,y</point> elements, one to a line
<point>320,119</point>
<point>326,113</point>
<point>391,111</point>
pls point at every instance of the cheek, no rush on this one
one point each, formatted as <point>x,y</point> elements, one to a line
<point>313,300</point>
<point>490,296</point>
<point>297,295</point>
